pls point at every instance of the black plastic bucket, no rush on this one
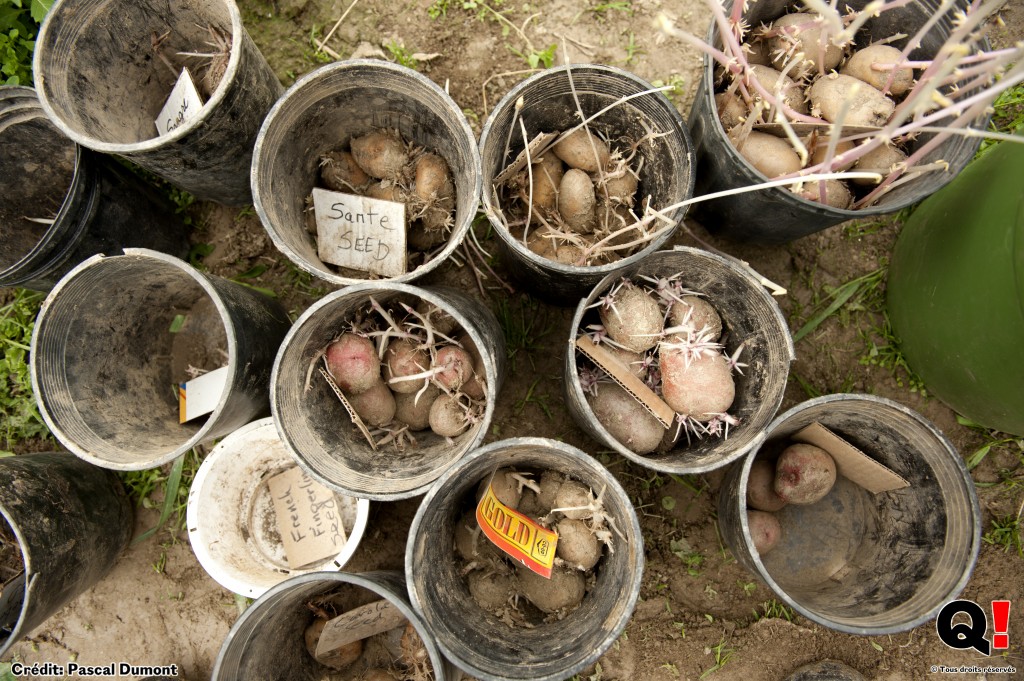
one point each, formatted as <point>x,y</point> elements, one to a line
<point>94,205</point>
<point>267,640</point>
<point>105,363</point>
<point>477,641</point>
<point>857,562</point>
<point>548,105</point>
<point>71,520</point>
<point>103,86</point>
<point>777,215</point>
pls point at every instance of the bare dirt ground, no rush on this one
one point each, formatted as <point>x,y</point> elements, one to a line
<point>697,618</point>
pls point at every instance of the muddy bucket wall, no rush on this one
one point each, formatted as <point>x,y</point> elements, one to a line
<point>859,562</point>
<point>101,80</point>
<point>315,426</point>
<point>64,523</point>
<point>118,335</point>
<point>321,113</point>
<point>778,215</point>
<point>665,165</point>
<point>750,317</point>
<point>268,640</point>
<point>69,203</point>
<point>232,523</point>
<point>477,640</point>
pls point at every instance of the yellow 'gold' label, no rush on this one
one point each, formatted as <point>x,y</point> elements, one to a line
<point>516,534</point>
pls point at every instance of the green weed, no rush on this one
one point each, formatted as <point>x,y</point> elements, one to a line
<point>1006,532</point>
<point>883,350</point>
<point>855,293</point>
<point>604,8</point>
<point>1007,115</point>
<point>401,55</point>
<point>532,397</point>
<point>632,49</point>
<point>175,481</point>
<point>252,273</point>
<point>993,440</point>
<point>524,324</point>
<point>722,655</point>
<point>676,85</point>
<point>691,558</point>
<point>20,415</point>
<point>537,58</point>
<point>19,24</point>
<point>772,609</point>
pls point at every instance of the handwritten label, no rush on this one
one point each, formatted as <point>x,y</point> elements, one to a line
<point>359,623</point>
<point>308,518</point>
<point>517,535</point>
<point>359,232</point>
<point>182,105</point>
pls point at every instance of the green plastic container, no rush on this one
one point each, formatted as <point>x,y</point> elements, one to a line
<point>956,291</point>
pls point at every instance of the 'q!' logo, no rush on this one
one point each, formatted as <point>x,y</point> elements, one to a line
<point>963,635</point>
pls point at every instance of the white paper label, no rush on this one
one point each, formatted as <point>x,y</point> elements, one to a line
<point>201,395</point>
<point>183,104</point>
<point>359,232</point>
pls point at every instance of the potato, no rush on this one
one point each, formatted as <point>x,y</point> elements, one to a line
<point>837,193</point>
<point>341,658</point>
<point>547,172</point>
<point>583,150</point>
<point>619,187</point>
<point>506,488</point>
<point>859,66</point>
<point>447,417</point>
<point>422,239</point>
<point>696,313</point>
<point>633,361</point>
<point>563,592</point>
<point>550,482</point>
<point>574,495</point>
<point>386,191</point>
<point>353,363</point>
<point>339,172</point>
<point>414,412</point>
<point>821,149</point>
<point>700,389</point>
<point>491,590</point>
<point>540,244</point>
<point>381,154</point>
<point>414,653</point>
<point>867,106</point>
<point>404,358</point>
<point>804,474</point>
<point>376,406</point>
<point>625,419</point>
<point>772,156</point>
<point>765,530</point>
<point>576,201</point>
<point>470,542</point>
<point>758,52</point>
<point>879,160</point>
<point>569,254</point>
<point>761,487</point>
<point>771,80</point>
<point>577,545</point>
<point>433,186</point>
<point>376,674</point>
<point>440,321</point>
<point>633,319</point>
<point>456,367</point>
<point>732,111</point>
<point>802,31</point>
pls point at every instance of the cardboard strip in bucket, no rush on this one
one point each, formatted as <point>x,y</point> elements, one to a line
<point>852,463</point>
<point>517,535</point>
<point>308,518</point>
<point>630,383</point>
<point>537,144</point>
<point>356,624</point>
<point>348,407</point>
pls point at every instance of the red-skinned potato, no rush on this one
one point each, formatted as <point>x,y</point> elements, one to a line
<point>765,530</point>
<point>804,474</point>
<point>761,494</point>
<point>353,363</point>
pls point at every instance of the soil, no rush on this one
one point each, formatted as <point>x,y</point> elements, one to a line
<point>700,615</point>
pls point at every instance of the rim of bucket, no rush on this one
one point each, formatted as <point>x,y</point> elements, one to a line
<point>755,176</point>
<point>563,449</point>
<point>355,579</point>
<point>491,211</point>
<point>458,233</point>
<point>45,43</point>
<point>425,293</point>
<point>233,364</point>
<point>958,462</point>
<point>573,384</point>
<point>30,578</point>
<point>223,573</point>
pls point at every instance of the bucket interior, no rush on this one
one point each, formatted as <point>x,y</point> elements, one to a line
<point>884,561</point>
<point>13,566</point>
<point>104,76</point>
<point>113,344</point>
<point>233,519</point>
<point>322,114</point>
<point>319,431</point>
<point>43,160</point>
<point>749,316</point>
<point>478,638</point>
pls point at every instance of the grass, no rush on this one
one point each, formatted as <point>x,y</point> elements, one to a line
<point>174,480</point>
<point>772,609</point>
<point>1006,533</point>
<point>1007,116</point>
<point>524,324</point>
<point>722,655</point>
<point>18,410</point>
<point>993,439</point>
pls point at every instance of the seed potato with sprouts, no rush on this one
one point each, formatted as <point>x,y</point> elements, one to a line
<point>353,363</point>
<point>862,66</point>
<point>844,99</point>
<point>798,38</point>
<point>632,318</point>
<point>626,419</point>
<point>583,150</point>
<point>381,154</point>
<point>576,201</point>
<point>562,592</point>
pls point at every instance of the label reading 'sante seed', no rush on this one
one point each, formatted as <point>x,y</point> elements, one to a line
<point>517,535</point>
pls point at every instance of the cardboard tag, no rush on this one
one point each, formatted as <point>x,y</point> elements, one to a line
<point>182,104</point>
<point>308,518</point>
<point>517,535</point>
<point>200,396</point>
<point>536,148</point>
<point>359,623</point>
<point>850,461</point>
<point>359,232</point>
<point>348,407</point>
<point>630,383</point>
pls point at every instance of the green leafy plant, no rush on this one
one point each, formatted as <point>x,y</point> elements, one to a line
<point>993,440</point>
<point>19,24</point>
<point>401,55</point>
<point>1006,532</point>
<point>537,58</point>
<point>18,411</point>
<point>691,558</point>
<point>175,480</point>
<point>252,273</point>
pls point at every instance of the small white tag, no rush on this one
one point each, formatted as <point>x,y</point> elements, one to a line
<point>359,232</point>
<point>182,104</point>
<point>201,395</point>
